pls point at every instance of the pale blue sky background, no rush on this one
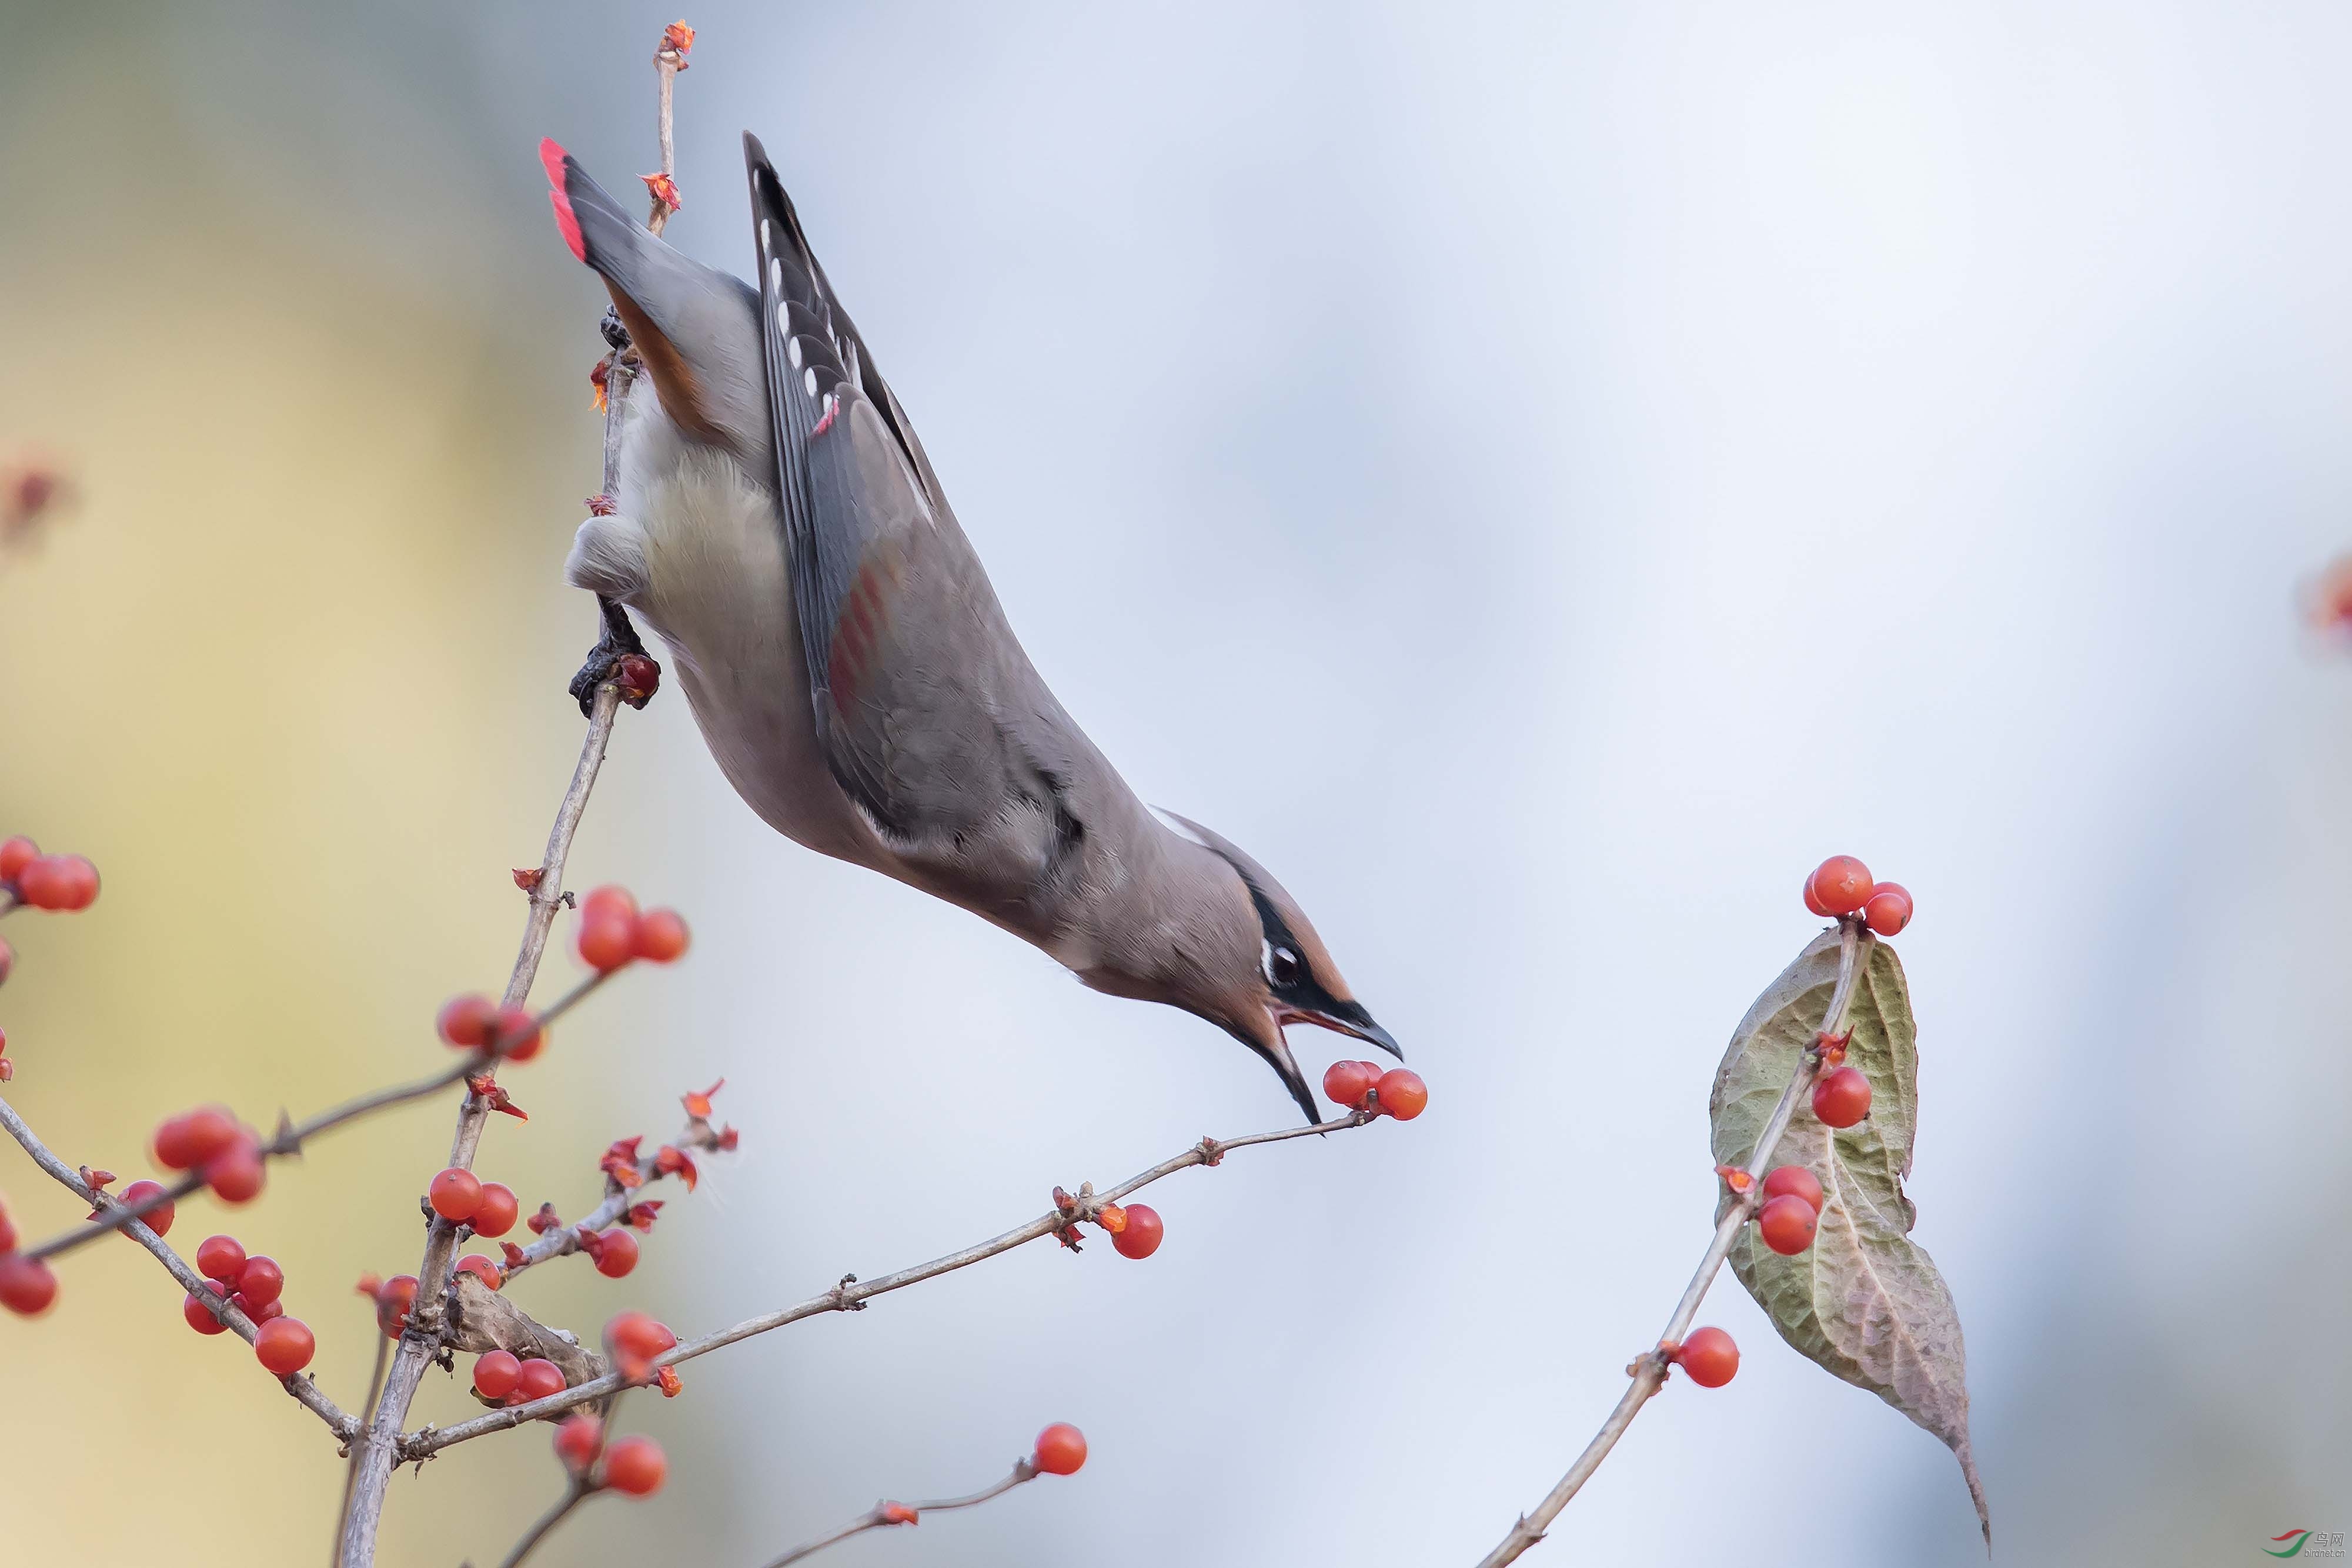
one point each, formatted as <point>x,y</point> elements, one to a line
<point>1540,477</point>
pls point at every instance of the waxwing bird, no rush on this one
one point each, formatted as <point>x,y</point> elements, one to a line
<point>779,527</point>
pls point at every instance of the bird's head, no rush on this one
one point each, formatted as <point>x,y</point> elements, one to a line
<point>1254,962</point>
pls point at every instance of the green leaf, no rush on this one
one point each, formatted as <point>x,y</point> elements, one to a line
<point>1864,1301</point>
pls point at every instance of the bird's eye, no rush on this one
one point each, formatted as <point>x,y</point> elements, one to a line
<point>1282,966</point>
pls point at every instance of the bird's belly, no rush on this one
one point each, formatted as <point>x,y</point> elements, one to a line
<point>716,590</point>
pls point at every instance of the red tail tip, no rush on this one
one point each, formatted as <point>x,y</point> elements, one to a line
<point>552,156</point>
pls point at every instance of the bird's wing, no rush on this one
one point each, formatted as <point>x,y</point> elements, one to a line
<point>928,712</point>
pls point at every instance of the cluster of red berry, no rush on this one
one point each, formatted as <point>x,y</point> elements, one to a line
<point>634,1467</point>
<point>612,932</point>
<point>1792,1210</point>
<point>1362,1086</point>
<point>46,881</point>
<point>210,1141</point>
<point>253,1285</point>
<point>1842,885</point>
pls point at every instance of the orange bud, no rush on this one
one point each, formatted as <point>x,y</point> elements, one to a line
<point>1111,1217</point>
<point>898,1514</point>
<point>1735,1178</point>
<point>677,37</point>
<point>666,1379</point>
<point>663,190</point>
<point>528,879</point>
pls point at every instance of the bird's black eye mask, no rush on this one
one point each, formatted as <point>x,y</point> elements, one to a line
<point>1284,961</point>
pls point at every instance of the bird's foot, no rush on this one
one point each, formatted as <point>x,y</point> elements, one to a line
<point>619,659</point>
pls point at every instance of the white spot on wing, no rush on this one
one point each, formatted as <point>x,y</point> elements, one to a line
<point>783,318</point>
<point>775,270</point>
<point>763,233</point>
<point>792,353</point>
<point>808,381</point>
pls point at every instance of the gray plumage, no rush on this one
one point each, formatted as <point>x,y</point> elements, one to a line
<point>781,528</point>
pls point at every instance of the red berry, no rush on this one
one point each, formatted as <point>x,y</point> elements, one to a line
<point>1709,1356</point>
<point>1793,1181</point>
<point>638,678</point>
<point>1840,883</point>
<point>616,1253</point>
<point>638,1337</point>
<point>516,1034</point>
<point>236,1175</point>
<point>1813,900</point>
<point>259,1315</point>
<point>394,1303</point>
<point>1787,1224</point>
<point>1346,1082</point>
<point>158,1218</point>
<point>1888,908</point>
<point>221,1258</point>
<point>1843,1098</point>
<point>1061,1448</point>
<point>495,1216</point>
<point>538,1377</point>
<point>1402,1093</point>
<point>285,1346</point>
<point>661,936</point>
<point>184,1143</point>
<point>576,1440</point>
<point>27,1285</point>
<point>610,902</point>
<point>261,1281</point>
<point>496,1374</point>
<point>58,883</point>
<point>455,1194</point>
<point>8,1234</point>
<point>464,1021</point>
<point>16,854</point>
<point>481,1268</point>
<point>606,942</point>
<point>200,1316</point>
<point>634,1465</point>
<point>1142,1235</point>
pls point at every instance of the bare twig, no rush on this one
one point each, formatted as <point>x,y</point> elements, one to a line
<point>291,1139</point>
<point>1649,1371</point>
<point>343,1425</point>
<point>578,1491</point>
<point>619,1199</point>
<point>852,1293</point>
<point>668,61</point>
<point>886,1513</point>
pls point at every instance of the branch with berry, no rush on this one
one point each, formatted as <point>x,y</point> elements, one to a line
<point>1820,1076</point>
<point>1823,1243</point>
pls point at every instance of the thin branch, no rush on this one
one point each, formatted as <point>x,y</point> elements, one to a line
<point>367,1414</point>
<point>1649,1371</point>
<point>668,61</point>
<point>301,1386</point>
<point>291,1139</point>
<point>381,1447</point>
<point>852,1293</point>
<point>619,1199</point>
<point>573,1496</point>
<point>885,1513</point>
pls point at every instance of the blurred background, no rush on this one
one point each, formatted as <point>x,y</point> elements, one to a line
<point>1540,477</point>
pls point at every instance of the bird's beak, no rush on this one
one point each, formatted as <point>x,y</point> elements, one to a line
<point>1275,1050</point>
<point>1345,1018</point>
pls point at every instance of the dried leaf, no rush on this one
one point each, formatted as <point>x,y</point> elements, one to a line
<point>1864,1301</point>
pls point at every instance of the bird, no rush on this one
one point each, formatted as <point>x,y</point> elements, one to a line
<point>777,524</point>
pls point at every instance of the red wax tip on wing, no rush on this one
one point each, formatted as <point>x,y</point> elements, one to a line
<point>552,156</point>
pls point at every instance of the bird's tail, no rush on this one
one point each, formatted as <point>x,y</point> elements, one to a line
<point>592,224</point>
